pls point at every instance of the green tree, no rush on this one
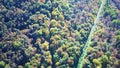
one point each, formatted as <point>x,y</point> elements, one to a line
<point>116,23</point>
<point>2,64</point>
<point>17,43</point>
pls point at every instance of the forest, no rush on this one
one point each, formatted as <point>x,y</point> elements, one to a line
<point>59,33</point>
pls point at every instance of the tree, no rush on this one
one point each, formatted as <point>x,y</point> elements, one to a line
<point>116,23</point>
<point>2,64</point>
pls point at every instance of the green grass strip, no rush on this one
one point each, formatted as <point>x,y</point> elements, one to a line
<point>87,45</point>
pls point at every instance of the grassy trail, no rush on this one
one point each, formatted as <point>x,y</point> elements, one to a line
<point>87,45</point>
